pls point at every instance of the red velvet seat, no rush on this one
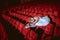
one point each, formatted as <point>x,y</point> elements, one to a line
<point>3,34</point>
<point>20,16</point>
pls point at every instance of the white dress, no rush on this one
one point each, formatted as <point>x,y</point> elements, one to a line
<point>43,21</point>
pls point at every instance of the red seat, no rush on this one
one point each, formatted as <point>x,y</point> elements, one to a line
<point>5,17</point>
<point>3,34</point>
<point>57,31</point>
<point>21,16</point>
<point>20,27</point>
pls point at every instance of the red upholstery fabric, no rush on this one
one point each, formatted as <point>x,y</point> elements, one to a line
<point>37,9</point>
<point>3,34</point>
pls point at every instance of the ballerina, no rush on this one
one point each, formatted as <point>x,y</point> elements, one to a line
<point>38,21</point>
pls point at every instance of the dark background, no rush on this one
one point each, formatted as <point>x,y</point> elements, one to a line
<point>9,3</point>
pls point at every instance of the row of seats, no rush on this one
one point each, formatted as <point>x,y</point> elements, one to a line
<point>33,11</point>
<point>20,16</point>
<point>20,27</point>
<point>3,34</point>
<point>12,21</point>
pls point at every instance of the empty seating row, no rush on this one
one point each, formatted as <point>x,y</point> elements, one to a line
<point>12,21</point>
<point>26,18</point>
<point>34,10</point>
<point>20,27</point>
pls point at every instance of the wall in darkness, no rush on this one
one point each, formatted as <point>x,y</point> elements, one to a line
<point>8,3</point>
